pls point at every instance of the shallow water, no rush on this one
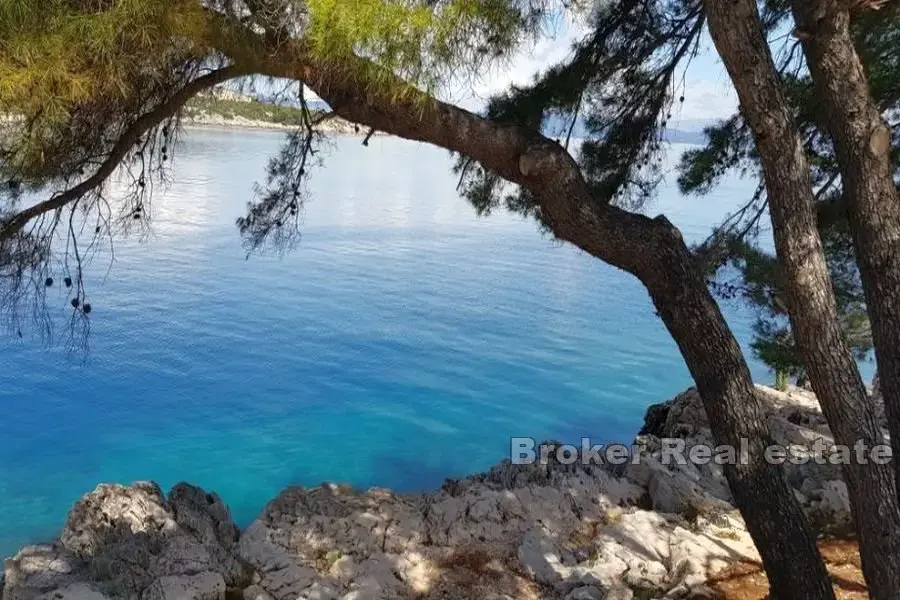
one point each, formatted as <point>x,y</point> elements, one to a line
<point>404,341</point>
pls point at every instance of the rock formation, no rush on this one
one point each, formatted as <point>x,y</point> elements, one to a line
<point>554,531</point>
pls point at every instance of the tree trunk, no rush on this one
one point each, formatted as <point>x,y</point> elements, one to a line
<point>651,249</point>
<point>737,33</point>
<point>862,143</point>
<point>717,365</point>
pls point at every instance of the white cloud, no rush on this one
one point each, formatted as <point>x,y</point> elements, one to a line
<point>551,50</point>
<point>705,99</point>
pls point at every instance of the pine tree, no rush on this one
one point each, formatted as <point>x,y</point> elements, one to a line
<point>803,269</point>
<point>863,142</point>
<point>730,149</point>
<point>98,85</point>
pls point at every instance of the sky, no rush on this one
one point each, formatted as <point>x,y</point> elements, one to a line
<point>708,92</point>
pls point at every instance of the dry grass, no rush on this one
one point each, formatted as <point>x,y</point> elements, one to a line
<point>747,581</point>
<point>467,574</point>
<point>474,561</point>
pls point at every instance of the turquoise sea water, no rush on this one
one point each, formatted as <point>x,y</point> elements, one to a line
<point>404,341</point>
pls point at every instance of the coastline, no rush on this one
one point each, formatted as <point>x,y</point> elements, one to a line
<point>218,122</point>
<point>554,531</point>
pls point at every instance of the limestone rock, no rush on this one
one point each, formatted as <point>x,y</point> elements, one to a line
<point>343,570</point>
<point>834,506</point>
<point>202,586</point>
<point>254,592</point>
<point>795,420</point>
<point>130,542</point>
<point>586,592</point>
<point>686,415</point>
<point>203,514</point>
<point>41,568</point>
<point>288,582</point>
<point>671,494</point>
<point>78,591</point>
<point>619,592</point>
<point>319,591</point>
<point>540,557</point>
<point>655,420</point>
<point>531,532</point>
<point>115,515</point>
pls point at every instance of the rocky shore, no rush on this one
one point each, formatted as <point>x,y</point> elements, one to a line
<point>552,532</point>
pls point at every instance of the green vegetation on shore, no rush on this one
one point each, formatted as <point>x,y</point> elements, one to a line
<point>252,110</point>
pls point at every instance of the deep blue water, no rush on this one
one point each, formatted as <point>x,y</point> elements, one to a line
<point>404,341</point>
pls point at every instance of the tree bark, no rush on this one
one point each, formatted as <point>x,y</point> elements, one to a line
<point>718,367</point>
<point>862,143</point>
<point>651,249</point>
<point>737,33</point>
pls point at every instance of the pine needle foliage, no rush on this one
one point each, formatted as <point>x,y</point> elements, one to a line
<point>71,73</point>
<point>89,88</point>
<point>621,83</point>
<point>425,43</point>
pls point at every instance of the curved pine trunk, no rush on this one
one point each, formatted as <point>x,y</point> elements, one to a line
<point>765,499</point>
<point>652,250</point>
<point>738,35</point>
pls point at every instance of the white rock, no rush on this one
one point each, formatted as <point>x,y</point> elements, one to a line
<point>380,573</point>
<point>257,548</point>
<point>289,582</point>
<point>365,594</point>
<point>344,570</point>
<point>618,592</point>
<point>836,502</point>
<point>320,591</point>
<point>39,568</point>
<point>130,541</point>
<point>645,532</point>
<point>540,558</point>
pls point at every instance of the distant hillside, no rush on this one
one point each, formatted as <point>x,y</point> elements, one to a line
<point>251,110</point>
<point>235,110</point>
<point>690,133</point>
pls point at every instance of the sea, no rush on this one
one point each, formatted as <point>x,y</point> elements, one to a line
<point>404,340</point>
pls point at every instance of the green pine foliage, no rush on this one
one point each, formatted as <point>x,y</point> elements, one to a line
<point>425,42</point>
<point>622,83</point>
<point>93,88</point>
<point>72,67</point>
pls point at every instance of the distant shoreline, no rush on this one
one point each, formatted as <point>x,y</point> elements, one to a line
<point>216,121</point>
